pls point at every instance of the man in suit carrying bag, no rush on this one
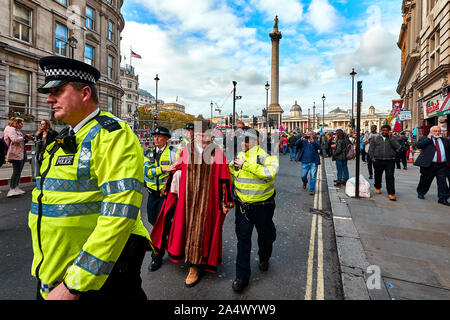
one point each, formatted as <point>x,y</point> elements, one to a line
<point>433,163</point>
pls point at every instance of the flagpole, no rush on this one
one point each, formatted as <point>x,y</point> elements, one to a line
<point>131,56</point>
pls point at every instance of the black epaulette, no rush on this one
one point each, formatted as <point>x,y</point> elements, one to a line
<point>170,148</point>
<point>108,123</point>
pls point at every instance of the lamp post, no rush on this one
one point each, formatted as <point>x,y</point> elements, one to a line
<point>314,116</point>
<point>156,100</point>
<point>353,74</point>
<point>234,103</point>
<point>267,86</point>
<point>211,111</point>
<point>323,111</point>
<point>72,43</point>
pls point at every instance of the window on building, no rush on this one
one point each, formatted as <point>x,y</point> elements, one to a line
<point>111,31</point>
<point>90,18</point>
<point>21,22</point>
<point>19,91</point>
<point>129,95</point>
<point>110,104</point>
<point>89,54</point>
<point>61,39</point>
<point>434,51</point>
<point>110,67</point>
<point>63,2</point>
<point>129,108</point>
<point>129,84</point>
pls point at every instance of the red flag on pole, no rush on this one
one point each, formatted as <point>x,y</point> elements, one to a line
<point>135,55</point>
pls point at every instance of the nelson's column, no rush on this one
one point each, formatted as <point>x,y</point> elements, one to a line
<point>274,111</point>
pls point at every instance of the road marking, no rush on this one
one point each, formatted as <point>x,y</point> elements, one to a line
<point>342,218</point>
<point>316,221</point>
<point>309,275</point>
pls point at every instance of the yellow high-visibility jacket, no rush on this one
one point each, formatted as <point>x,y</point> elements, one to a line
<point>86,205</point>
<point>255,181</point>
<point>153,175</point>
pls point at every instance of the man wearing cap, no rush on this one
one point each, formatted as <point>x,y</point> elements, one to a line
<point>157,166</point>
<point>87,235</point>
<point>186,138</point>
<point>254,174</point>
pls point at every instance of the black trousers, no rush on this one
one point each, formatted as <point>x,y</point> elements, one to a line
<point>388,167</point>
<point>154,204</point>
<point>427,174</point>
<point>401,156</point>
<point>124,282</point>
<point>369,164</point>
<point>260,217</point>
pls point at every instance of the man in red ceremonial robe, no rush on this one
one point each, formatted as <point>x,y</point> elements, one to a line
<point>198,198</point>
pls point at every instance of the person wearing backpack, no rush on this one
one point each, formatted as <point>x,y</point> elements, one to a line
<point>382,151</point>
<point>340,152</point>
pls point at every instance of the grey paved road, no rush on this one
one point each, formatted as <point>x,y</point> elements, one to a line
<point>297,266</point>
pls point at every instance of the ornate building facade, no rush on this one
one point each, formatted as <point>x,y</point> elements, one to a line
<point>424,40</point>
<point>87,30</point>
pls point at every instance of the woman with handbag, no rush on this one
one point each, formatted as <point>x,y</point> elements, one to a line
<point>16,153</point>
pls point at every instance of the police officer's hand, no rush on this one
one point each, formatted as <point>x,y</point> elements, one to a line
<point>62,293</point>
<point>238,163</point>
<point>169,168</point>
<point>225,209</point>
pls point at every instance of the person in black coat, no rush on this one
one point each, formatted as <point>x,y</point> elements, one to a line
<point>433,163</point>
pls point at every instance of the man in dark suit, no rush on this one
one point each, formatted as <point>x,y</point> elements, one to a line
<point>433,163</point>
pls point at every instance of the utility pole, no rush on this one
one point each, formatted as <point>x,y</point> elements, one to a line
<point>353,74</point>
<point>234,103</point>
<point>359,98</point>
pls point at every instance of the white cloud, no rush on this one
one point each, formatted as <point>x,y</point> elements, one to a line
<point>288,11</point>
<point>322,16</point>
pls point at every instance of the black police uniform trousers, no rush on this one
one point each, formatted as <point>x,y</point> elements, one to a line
<point>124,282</point>
<point>154,204</point>
<point>260,217</point>
<point>427,174</point>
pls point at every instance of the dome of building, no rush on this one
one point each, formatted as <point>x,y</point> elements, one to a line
<point>296,110</point>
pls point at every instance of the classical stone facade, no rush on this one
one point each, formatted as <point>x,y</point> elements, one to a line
<point>130,85</point>
<point>425,65</point>
<point>335,119</point>
<point>32,29</point>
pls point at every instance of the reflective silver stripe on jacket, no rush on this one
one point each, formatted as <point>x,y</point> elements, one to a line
<point>93,264</point>
<point>255,192</point>
<point>127,184</point>
<point>122,210</point>
<point>67,210</point>
<point>250,180</point>
<point>52,184</point>
<point>84,160</point>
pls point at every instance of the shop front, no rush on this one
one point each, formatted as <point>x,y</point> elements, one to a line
<point>436,111</point>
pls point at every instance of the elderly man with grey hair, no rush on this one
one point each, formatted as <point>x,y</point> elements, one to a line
<point>433,162</point>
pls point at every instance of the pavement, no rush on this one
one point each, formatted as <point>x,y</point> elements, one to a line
<point>6,172</point>
<point>407,241</point>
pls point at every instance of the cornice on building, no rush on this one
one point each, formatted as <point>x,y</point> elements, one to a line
<point>411,61</point>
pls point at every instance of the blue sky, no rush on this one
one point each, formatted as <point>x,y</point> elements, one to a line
<point>198,48</point>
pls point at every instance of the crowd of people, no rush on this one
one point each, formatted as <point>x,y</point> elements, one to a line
<point>383,152</point>
<point>88,237</point>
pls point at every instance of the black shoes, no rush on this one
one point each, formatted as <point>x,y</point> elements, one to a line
<point>264,266</point>
<point>239,285</point>
<point>155,265</point>
<point>304,186</point>
<point>444,202</point>
<point>370,177</point>
<point>420,196</point>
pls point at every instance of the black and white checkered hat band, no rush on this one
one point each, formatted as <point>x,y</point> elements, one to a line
<point>83,75</point>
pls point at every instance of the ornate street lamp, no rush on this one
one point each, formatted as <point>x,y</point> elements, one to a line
<point>323,111</point>
<point>353,74</point>
<point>267,86</point>
<point>72,43</point>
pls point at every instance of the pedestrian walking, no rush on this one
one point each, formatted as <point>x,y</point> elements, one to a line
<point>324,144</point>
<point>158,164</point>
<point>362,149</point>
<point>340,156</point>
<point>308,154</point>
<point>433,162</point>
<point>401,154</point>
<point>87,235</point>
<point>284,144</point>
<point>17,155</point>
<point>382,151</point>
<point>254,173</point>
<point>367,138</point>
<point>190,223</point>
<point>292,148</point>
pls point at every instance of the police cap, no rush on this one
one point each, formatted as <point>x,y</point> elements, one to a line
<point>60,70</point>
<point>189,126</point>
<point>250,133</point>
<point>162,131</point>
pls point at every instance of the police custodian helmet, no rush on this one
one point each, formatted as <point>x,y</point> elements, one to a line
<point>162,131</point>
<point>60,70</point>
